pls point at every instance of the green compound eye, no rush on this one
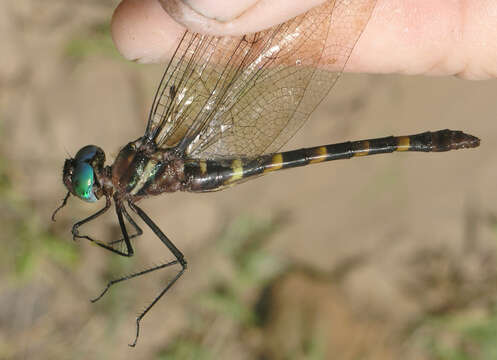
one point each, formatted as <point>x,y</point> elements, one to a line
<point>82,180</point>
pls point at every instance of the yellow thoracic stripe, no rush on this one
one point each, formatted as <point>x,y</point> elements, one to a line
<point>203,167</point>
<point>147,172</point>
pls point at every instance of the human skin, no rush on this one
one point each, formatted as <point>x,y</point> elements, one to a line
<point>429,37</point>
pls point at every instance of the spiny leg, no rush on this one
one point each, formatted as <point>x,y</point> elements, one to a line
<point>177,254</point>
<point>129,249</point>
<point>138,230</point>
<point>157,298</point>
<point>75,231</point>
<point>131,276</point>
<point>64,202</point>
<point>120,209</point>
<point>109,246</point>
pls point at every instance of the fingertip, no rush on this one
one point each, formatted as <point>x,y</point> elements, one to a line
<point>142,31</point>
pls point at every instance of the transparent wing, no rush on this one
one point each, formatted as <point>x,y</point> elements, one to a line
<point>244,96</point>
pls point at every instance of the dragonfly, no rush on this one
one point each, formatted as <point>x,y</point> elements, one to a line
<point>223,109</point>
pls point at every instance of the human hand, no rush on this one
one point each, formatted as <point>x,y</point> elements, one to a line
<point>408,37</point>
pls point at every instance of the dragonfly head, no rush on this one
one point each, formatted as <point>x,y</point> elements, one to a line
<point>81,174</point>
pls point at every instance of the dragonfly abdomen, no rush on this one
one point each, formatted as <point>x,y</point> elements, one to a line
<point>211,175</point>
<point>437,141</point>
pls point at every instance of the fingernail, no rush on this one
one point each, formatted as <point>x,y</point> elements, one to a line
<point>218,10</point>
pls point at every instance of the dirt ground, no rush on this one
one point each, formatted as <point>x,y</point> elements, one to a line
<point>384,257</point>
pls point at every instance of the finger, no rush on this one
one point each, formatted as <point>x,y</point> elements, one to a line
<point>142,31</point>
<point>408,37</point>
<point>228,17</point>
<point>430,38</point>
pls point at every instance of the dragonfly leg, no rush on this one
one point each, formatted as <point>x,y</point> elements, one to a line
<point>120,209</point>
<point>179,260</point>
<point>64,202</point>
<point>110,246</point>
<point>75,227</point>
<point>138,230</point>
<point>131,276</point>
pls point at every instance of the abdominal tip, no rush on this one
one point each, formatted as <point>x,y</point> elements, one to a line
<point>463,141</point>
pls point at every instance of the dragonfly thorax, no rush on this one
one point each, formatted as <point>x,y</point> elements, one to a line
<point>141,170</point>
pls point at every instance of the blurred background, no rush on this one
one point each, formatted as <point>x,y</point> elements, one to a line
<point>377,258</point>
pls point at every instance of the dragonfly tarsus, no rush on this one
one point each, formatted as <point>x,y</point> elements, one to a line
<point>157,298</point>
<point>64,203</point>
<point>75,227</point>
<point>131,276</point>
